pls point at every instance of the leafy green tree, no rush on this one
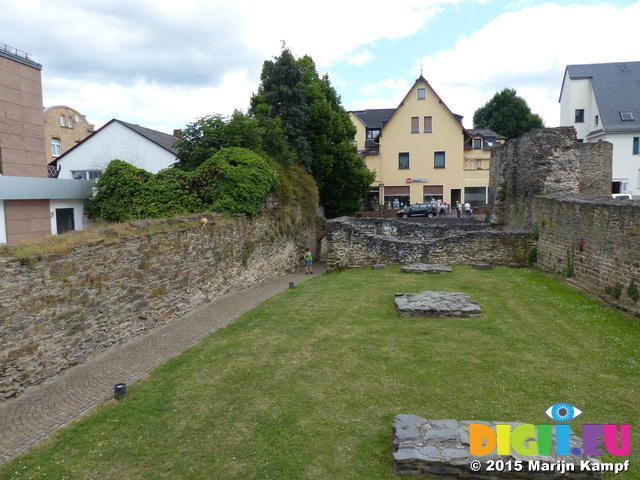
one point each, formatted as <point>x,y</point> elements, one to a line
<point>318,129</point>
<point>507,114</point>
<point>205,137</point>
<point>282,95</point>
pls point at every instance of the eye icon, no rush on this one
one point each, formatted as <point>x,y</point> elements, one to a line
<point>563,412</point>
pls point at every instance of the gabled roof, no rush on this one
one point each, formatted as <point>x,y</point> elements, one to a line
<point>422,79</point>
<point>616,87</point>
<point>374,118</point>
<point>163,140</point>
<point>484,133</point>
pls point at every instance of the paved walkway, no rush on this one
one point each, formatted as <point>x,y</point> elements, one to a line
<point>37,413</point>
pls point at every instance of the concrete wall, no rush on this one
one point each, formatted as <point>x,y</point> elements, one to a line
<point>60,310</point>
<point>361,242</point>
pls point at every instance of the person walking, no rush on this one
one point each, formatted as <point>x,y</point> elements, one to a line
<point>308,262</point>
<point>458,208</point>
<point>467,209</point>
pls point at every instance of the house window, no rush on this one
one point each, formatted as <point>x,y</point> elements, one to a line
<point>70,122</point>
<point>415,125</point>
<point>626,116</point>
<point>403,161</point>
<point>597,120</point>
<point>92,175</point>
<point>476,196</point>
<point>372,134</point>
<point>63,119</point>
<point>439,160</point>
<point>477,143</point>
<point>55,147</point>
<point>636,145</point>
<point>422,94</point>
<point>428,124</point>
<point>580,116</point>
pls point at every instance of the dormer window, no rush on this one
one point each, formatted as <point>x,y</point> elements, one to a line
<point>477,143</point>
<point>626,116</point>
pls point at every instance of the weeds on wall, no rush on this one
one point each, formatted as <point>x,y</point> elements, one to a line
<point>633,291</point>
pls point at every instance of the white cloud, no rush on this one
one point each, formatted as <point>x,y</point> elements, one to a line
<point>529,50</point>
<point>360,58</point>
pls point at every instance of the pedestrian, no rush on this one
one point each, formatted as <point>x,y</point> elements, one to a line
<point>467,209</point>
<point>308,262</point>
<point>458,208</point>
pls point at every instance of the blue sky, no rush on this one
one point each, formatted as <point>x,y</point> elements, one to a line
<point>163,64</point>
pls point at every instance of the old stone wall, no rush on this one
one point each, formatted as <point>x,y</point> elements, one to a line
<point>543,162</point>
<point>64,308</point>
<point>359,242</point>
<point>592,240</point>
<point>548,182</point>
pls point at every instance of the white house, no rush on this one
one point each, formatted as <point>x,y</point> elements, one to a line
<point>602,102</point>
<point>142,147</point>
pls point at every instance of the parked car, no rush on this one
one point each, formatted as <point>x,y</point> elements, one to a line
<point>418,210</point>
<point>622,196</point>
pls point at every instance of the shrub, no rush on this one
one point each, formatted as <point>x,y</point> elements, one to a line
<point>633,292</point>
<point>234,180</point>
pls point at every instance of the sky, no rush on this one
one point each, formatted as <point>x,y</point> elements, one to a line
<point>164,64</point>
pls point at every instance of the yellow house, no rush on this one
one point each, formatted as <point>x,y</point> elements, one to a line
<point>421,153</point>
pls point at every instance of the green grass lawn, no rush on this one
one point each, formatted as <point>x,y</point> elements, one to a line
<point>306,386</point>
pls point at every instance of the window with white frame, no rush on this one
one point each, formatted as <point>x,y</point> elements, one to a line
<point>55,147</point>
<point>428,124</point>
<point>415,124</point>
<point>422,94</point>
<point>476,196</point>
<point>636,145</point>
<point>580,115</point>
<point>70,122</point>
<point>63,119</point>
<point>92,175</point>
<point>439,160</point>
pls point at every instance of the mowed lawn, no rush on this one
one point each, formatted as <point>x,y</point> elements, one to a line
<point>306,386</point>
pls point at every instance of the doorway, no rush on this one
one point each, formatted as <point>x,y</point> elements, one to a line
<point>64,220</point>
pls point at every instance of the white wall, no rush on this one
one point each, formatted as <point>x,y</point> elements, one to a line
<point>578,94</point>
<point>115,141</point>
<point>78,211</point>
<point>3,224</point>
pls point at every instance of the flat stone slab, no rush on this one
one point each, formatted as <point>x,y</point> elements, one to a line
<point>436,305</point>
<point>431,268</point>
<point>379,266</point>
<point>482,266</point>
<point>440,449</point>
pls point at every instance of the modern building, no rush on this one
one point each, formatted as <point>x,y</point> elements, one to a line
<point>64,128</point>
<point>142,147</point>
<point>31,204</point>
<point>602,102</point>
<point>421,153</point>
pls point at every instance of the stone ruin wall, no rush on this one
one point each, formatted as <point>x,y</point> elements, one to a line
<point>361,242</point>
<point>549,182</point>
<point>65,308</point>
